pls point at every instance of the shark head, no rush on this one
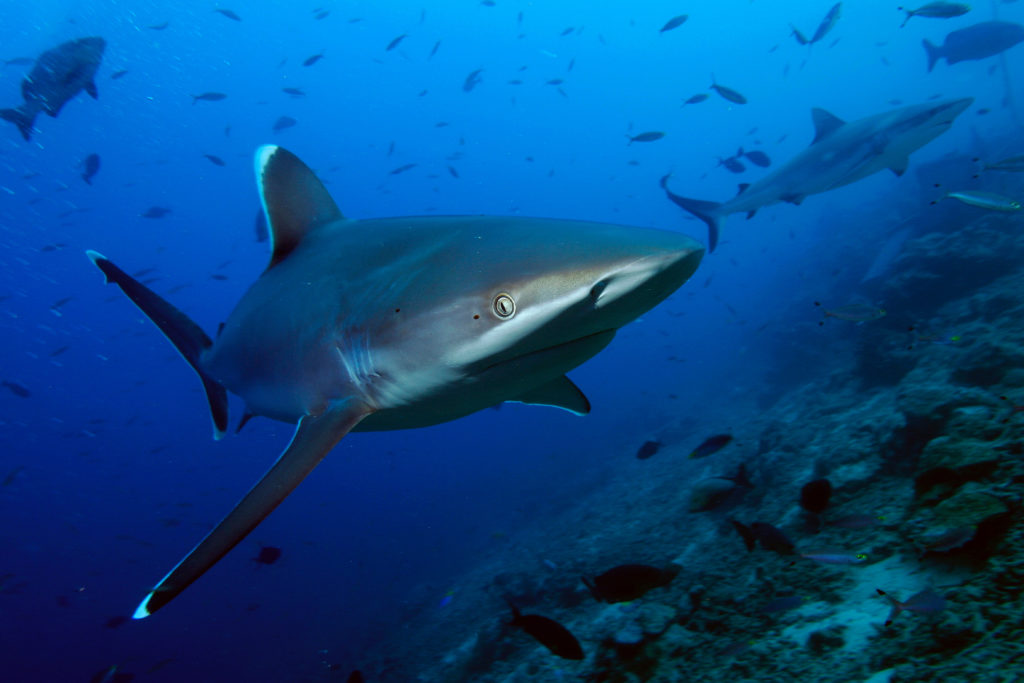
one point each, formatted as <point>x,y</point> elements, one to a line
<point>910,128</point>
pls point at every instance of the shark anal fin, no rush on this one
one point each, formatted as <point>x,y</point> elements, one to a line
<point>314,438</point>
<point>90,88</point>
<point>558,393</point>
<point>187,337</point>
<point>294,200</point>
<point>825,123</point>
<point>793,198</point>
<point>742,188</point>
<point>900,167</point>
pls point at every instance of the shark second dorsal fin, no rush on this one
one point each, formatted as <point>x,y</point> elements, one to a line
<point>825,123</point>
<point>294,200</point>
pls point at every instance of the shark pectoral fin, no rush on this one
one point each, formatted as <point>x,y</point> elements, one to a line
<point>90,88</point>
<point>558,393</point>
<point>314,438</point>
<point>825,123</point>
<point>187,337</point>
<point>295,202</point>
<point>900,167</point>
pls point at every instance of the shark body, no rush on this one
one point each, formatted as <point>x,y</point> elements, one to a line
<point>399,323</point>
<point>841,153</point>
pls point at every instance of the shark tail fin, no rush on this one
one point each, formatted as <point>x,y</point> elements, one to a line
<point>934,53</point>
<point>706,211</point>
<point>895,604</point>
<point>21,118</point>
<point>187,337</point>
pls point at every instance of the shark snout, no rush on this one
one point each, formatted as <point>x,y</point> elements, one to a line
<point>946,112</point>
<point>638,285</point>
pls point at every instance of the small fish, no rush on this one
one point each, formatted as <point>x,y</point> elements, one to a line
<point>453,172</point>
<point>11,476</point>
<point>567,31</point>
<point>800,37</point>
<point>732,164</point>
<point>208,97</point>
<point>402,169</point>
<point>555,81</point>
<point>155,212</point>
<point>228,13</point>
<point>114,622</point>
<point>394,43</point>
<point>218,276</point>
<point>294,92</point>
<point>814,496</point>
<point>118,74</point>
<point>90,167</point>
<point>926,602</point>
<point>758,158</point>
<point>857,313</point>
<point>828,23</point>
<point>215,160</point>
<point>696,99</point>
<point>472,80</point>
<point>727,93</point>
<point>433,51</point>
<point>674,22</point>
<point>16,389</point>
<point>19,61</point>
<point>268,554</point>
<point>310,61</point>
<point>708,494</point>
<point>282,123</point>
<point>322,14</point>
<point>548,632</point>
<point>835,557</point>
<point>628,582</point>
<point>649,136</point>
<point>56,305</point>
<point>986,200</point>
<point>159,27</point>
<point>936,10</point>
<point>647,450</point>
<point>59,351</point>
<point>711,445</point>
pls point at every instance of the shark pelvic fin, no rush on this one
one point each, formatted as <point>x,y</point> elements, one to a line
<point>825,123</point>
<point>314,437</point>
<point>899,167</point>
<point>21,118</point>
<point>187,337</point>
<point>558,393</point>
<point>294,200</point>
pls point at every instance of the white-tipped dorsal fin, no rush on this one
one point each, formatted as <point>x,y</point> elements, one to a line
<point>825,123</point>
<point>294,199</point>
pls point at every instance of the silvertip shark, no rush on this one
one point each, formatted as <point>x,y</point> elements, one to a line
<point>841,153</point>
<point>398,323</point>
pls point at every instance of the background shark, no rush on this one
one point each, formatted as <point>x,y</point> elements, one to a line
<point>57,76</point>
<point>841,153</point>
<point>403,322</point>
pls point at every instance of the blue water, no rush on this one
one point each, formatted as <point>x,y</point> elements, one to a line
<point>120,477</point>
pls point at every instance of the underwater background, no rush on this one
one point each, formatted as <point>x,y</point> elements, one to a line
<point>397,555</point>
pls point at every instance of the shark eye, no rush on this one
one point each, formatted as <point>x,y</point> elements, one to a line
<point>504,306</point>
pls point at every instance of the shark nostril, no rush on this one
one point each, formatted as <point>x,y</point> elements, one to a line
<point>504,306</point>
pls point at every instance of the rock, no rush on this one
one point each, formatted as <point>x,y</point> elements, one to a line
<point>967,458</point>
<point>655,618</point>
<point>968,508</point>
<point>629,635</point>
<point>974,422</point>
